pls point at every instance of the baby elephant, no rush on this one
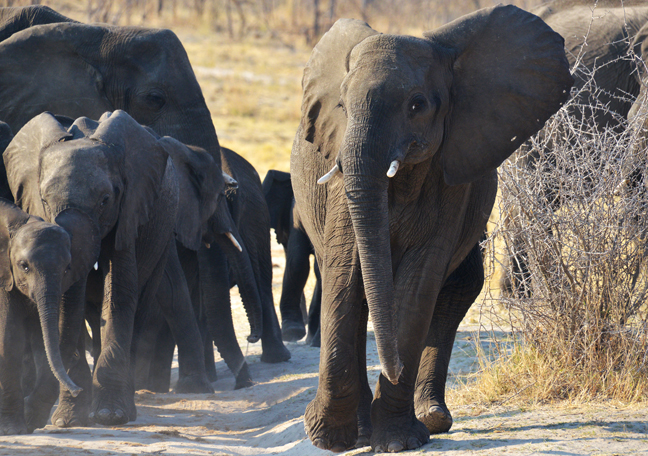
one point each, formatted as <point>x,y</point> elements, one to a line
<point>34,272</point>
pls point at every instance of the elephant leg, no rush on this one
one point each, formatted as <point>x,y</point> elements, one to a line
<point>364,407</point>
<point>175,302</point>
<point>94,298</point>
<point>331,419</point>
<point>12,348</point>
<point>159,380</point>
<point>147,329</point>
<point>314,336</point>
<point>457,295</point>
<point>292,290</point>
<point>38,404</point>
<point>215,296</point>
<point>74,411</point>
<point>113,401</point>
<point>208,343</point>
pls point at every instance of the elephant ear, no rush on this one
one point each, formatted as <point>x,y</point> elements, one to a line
<point>57,58</point>
<point>22,160</point>
<point>510,74</point>
<point>200,181</point>
<point>11,219</point>
<point>279,196</point>
<point>323,121</point>
<point>639,46</point>
<point>142,162</point>
<point>5,138</point>
<point>14,20</point>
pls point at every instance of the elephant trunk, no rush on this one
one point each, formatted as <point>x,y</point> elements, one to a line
<point>366,184</point>
<point>48,311</point>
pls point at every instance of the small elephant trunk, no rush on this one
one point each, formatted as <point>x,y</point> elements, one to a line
<point>48,311</point>
<point>366,187</point>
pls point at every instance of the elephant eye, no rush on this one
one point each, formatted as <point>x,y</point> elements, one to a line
<point>67,269</point>
<point>104,200</point>
<point>417,104</point>
<point>155,100</point>
<point>24,266</point>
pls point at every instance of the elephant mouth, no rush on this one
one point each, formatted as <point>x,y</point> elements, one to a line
<point>85,239</point>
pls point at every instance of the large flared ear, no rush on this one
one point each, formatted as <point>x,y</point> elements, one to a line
<point>278,192</point>
<point>5,138</point>
<point>22,160</point>
<point>510,74</point>
<point>11,219</point>
<point>142,162</point>
<point>13,20</point>
<point>200,180</point>
<point>62,78</point>
<point>323,121</point>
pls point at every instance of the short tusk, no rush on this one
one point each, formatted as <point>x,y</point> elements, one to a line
<point>208,245</point>
<point>330,175</point>
<point>393,168</point>
<point>234,241</point>
<point>96,266</point>
<point>229,180</point>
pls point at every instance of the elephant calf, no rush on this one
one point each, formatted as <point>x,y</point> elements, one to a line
<point>35,270</point>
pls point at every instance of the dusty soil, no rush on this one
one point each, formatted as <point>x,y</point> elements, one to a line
<point>267,418</point>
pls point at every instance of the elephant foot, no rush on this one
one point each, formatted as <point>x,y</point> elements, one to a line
<point>336,434</point>
<point>394,434</point>
<point>37,413</point>
<point>13,424</point>
<point>113,413</point>
<point>314,340</point>
<point>292,331</point>
<point>193,384</point>
<point>243,379</point>
<point>274,352</point>
<point>71,411</point>
<point>437,419</point>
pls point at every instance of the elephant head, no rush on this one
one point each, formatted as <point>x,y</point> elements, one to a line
<point>79,70</point>
<point>91,177</point>
<point>36,259</point>
<point>463,98</point>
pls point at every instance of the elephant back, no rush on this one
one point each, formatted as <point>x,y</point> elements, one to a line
<point>13,20</point>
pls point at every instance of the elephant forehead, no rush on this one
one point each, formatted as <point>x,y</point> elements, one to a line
<point>73,156</point>
<point>382,50</point>
<point>42,237</point>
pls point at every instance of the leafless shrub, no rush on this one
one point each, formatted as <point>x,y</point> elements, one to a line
<point>572,239</point>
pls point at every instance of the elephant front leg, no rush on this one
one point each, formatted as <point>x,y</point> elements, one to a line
<point>12,346</point>
<point>292,290</point>
<point>113,401</point>
<point>457,295</point>
<point>331,418</point>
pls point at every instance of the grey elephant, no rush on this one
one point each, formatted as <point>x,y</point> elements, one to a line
<point>404,135</point>
<point>118,179</point>
<point>290,233</point>
<point>36,268</point>
<point>85,70</point>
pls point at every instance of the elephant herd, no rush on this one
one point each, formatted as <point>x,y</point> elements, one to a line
<point>122,210</point>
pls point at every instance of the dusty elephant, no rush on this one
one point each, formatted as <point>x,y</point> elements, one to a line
<point>410,131</point>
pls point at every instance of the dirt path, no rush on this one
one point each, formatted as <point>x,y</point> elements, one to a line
<point>267,418</point>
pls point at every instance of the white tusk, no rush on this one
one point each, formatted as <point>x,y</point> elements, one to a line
<point>207,245</point>
<point>229,180</point>
<point>96,266</point>
<point>393,168</point>
<point>234,241</point>
<point>330,175</point>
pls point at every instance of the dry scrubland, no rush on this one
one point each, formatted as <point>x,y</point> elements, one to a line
<point>506,394</point>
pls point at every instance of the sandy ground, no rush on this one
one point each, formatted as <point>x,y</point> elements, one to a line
<point>267,418</point>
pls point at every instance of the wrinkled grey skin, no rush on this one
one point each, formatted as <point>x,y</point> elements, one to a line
<point>290,233</point>
<point>450,107</point>
<point>203,214</point>
<point>601,39</point>
<point>35,271</point>
<point>118,176</point>
<point>247,203</point>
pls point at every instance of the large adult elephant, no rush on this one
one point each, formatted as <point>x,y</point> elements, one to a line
<point>410,131</point>
<point>36,268</point>
<point>117,179</point>
<point>278,192</point>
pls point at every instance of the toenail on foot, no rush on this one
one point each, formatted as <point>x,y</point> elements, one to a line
<point>395,447</point>
<point>413,443</point>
